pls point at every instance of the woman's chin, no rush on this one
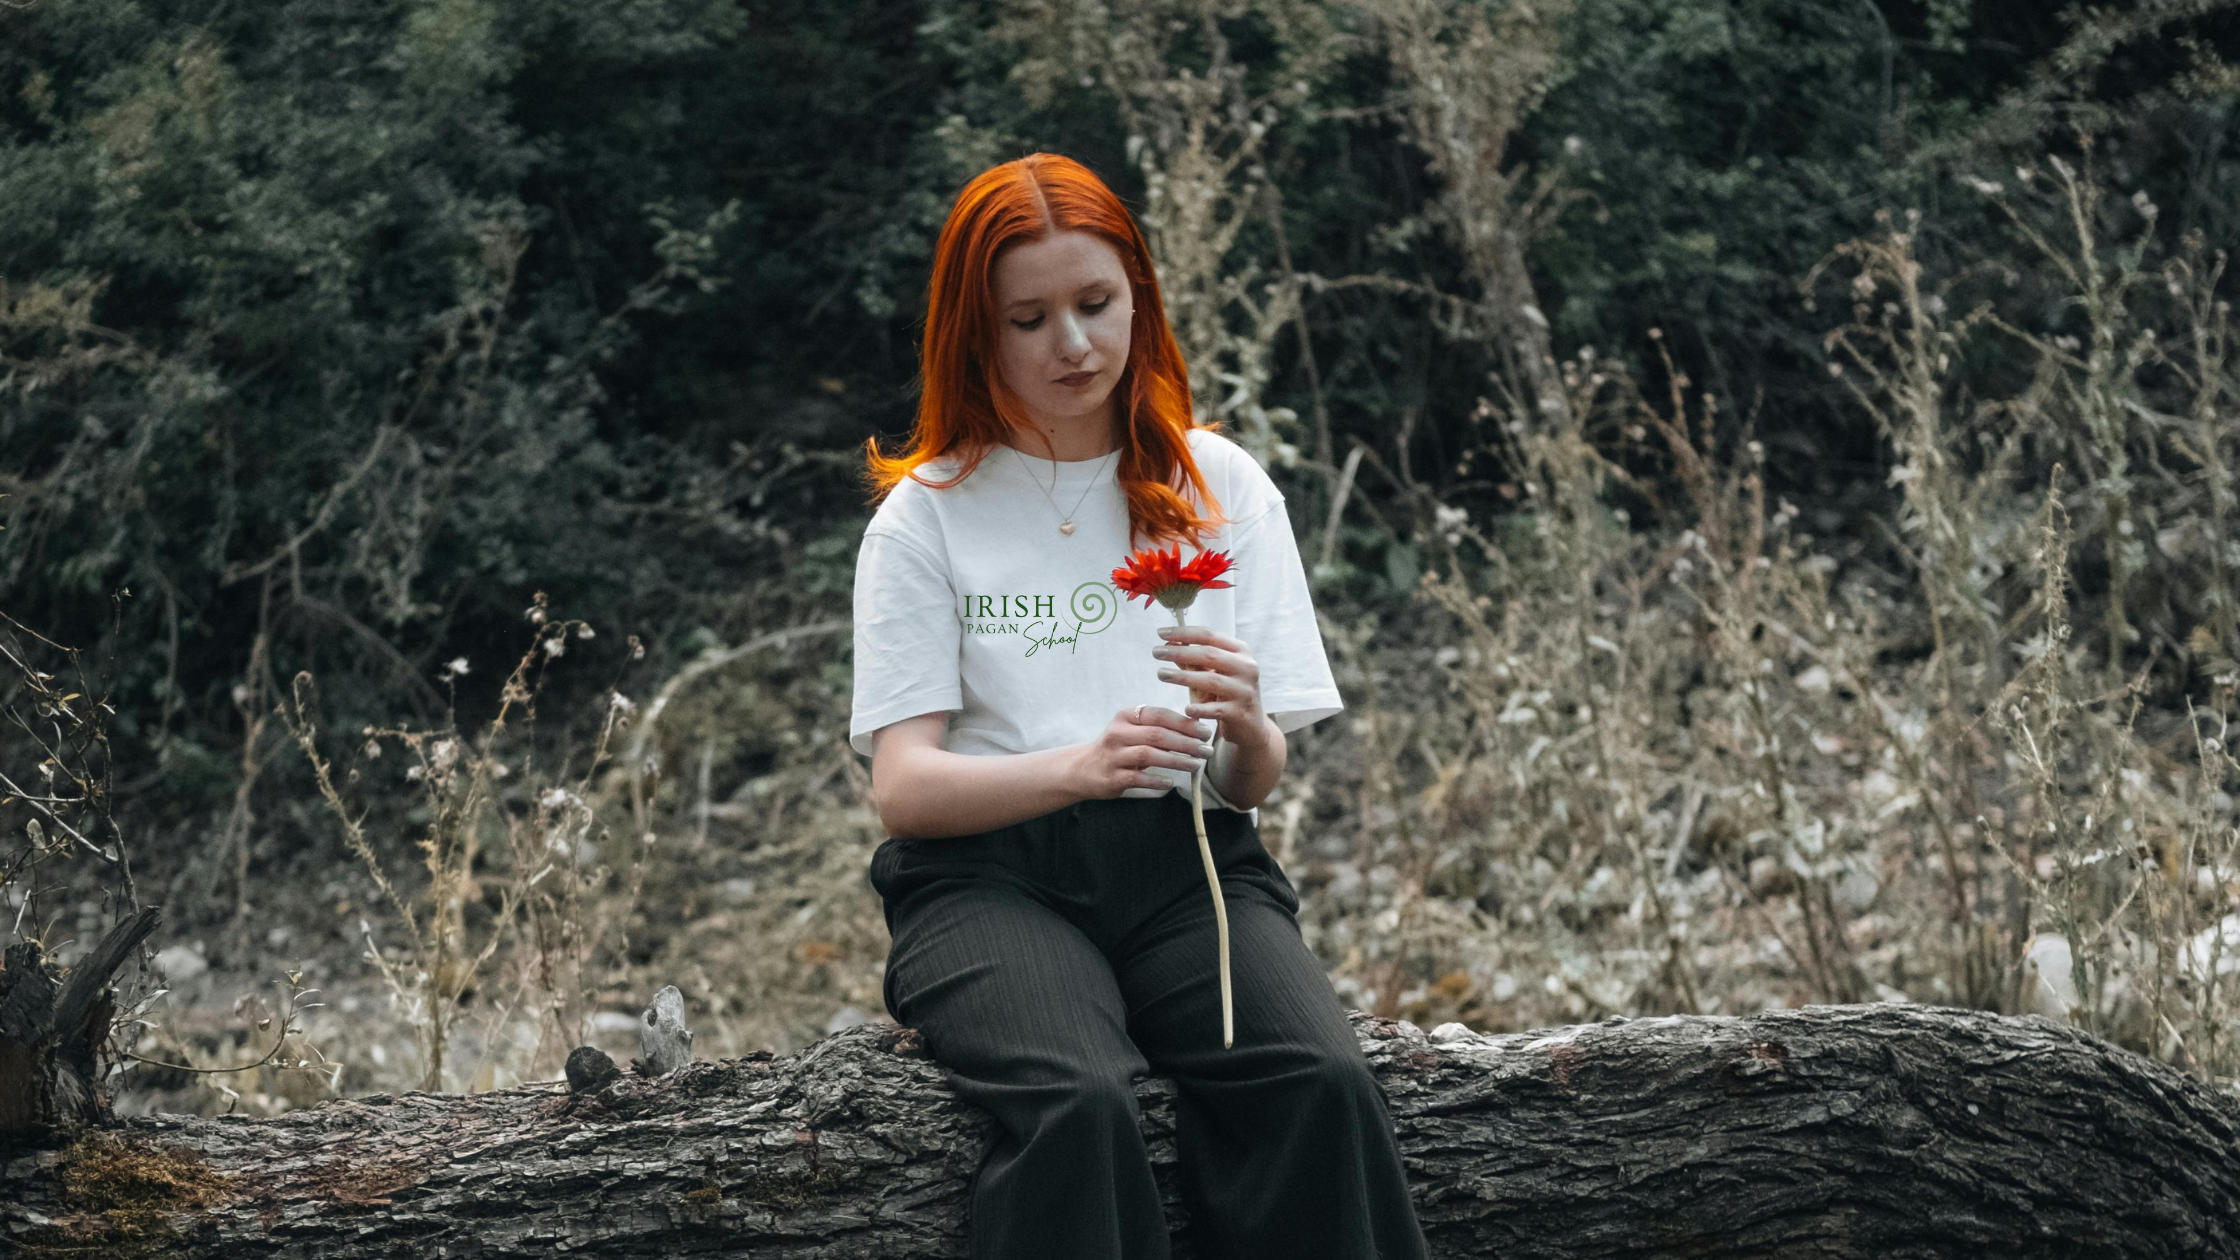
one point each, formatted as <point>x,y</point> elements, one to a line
<point>1069,405</point>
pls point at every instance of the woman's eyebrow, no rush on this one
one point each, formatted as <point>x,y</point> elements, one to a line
<point>1035,301</point>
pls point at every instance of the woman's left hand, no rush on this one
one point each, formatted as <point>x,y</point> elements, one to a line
<point>1223,679</point>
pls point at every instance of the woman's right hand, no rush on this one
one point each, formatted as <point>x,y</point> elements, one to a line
<point>1139,737</point>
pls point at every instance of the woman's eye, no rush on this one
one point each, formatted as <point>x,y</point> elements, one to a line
<point>1029,325</point>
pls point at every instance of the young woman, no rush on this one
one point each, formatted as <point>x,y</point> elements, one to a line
<point>1032,738</point>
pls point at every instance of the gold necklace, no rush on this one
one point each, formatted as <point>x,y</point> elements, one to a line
<point>1065,525</point>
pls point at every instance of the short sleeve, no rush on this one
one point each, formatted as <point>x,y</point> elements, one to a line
<point>1276,620</point>
<point>906,636</point>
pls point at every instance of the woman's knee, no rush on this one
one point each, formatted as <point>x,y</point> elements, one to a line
<point>1070,1109</point>
<point>1085,1098</point>
<point>1044,1105</point>
<point>1340,1082</point>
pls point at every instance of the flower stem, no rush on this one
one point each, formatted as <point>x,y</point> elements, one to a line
<point>1220,911</point>
<point>1213,882</point>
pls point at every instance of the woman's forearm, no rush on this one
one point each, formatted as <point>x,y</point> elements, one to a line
<point>932,793</point>
<point>1245,774</point>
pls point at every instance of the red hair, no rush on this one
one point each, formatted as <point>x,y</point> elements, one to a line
<point>964,405</point>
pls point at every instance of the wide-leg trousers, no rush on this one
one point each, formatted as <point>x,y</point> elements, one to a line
<point>1050,963</point>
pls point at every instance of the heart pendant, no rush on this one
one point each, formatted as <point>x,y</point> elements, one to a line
<point>1065,527</point>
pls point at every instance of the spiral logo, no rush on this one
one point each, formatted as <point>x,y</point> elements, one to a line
<point>1092,604</point>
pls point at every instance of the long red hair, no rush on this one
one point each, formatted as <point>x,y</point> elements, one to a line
<point>964,406</point>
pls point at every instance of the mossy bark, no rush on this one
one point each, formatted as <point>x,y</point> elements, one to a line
<point>1879,1131</point>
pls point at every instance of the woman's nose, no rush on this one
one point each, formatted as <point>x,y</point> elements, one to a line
<point>1073,337</point>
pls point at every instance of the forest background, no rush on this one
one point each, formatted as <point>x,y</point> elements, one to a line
<point>1765,468</point>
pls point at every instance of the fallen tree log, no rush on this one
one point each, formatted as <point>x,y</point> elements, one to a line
<point>1879,1131</point>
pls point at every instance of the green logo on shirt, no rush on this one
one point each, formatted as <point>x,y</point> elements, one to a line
<point>1091,608</point>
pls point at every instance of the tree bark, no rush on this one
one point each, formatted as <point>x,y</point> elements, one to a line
<point>1883,1131</point>
<point>52,1032</point>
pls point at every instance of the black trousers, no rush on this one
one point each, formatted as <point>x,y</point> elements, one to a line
<point>1049,963</point>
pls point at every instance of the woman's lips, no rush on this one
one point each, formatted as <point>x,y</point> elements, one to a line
<point>1078,379</point>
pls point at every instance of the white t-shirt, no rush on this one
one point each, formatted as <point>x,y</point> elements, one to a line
<point>971,601</point>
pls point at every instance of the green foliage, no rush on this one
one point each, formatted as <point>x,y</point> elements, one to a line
<point>333,331</point>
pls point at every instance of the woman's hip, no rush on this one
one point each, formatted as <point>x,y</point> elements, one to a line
<point>1103,864</point>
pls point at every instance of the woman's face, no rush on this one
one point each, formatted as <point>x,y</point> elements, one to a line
<point>1064,310</point>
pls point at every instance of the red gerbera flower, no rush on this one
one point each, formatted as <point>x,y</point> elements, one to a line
<point>1162,576</point>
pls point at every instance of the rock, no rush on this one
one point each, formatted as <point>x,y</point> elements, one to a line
<point>663,1039</point>
<point>1856,889</point>
<point>589,1068</point>
<point>180,963</point>
<point>2047,986</point>
<point>2219,942</point>
<point>614,1022</point>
